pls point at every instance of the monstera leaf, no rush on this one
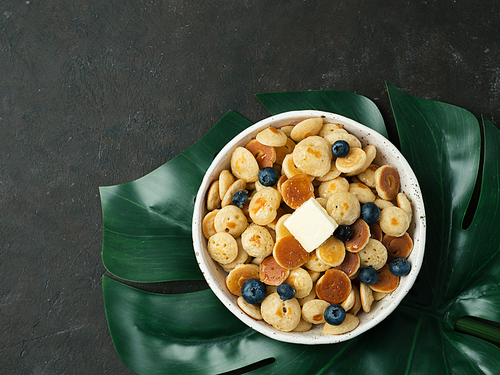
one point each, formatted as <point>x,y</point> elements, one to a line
<point>147,239</point>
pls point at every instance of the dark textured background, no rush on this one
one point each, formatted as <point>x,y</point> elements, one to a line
<point>102,92</point>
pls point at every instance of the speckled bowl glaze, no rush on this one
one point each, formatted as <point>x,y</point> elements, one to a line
<point>387,153</point>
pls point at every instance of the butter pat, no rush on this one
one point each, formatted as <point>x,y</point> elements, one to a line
<point>311,225</point>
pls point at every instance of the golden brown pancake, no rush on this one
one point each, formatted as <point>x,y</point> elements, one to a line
<point>334,286</point>
<point>289,253</point>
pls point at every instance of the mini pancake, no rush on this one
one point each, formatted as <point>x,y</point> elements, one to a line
<point>241,258</point>
<point>272,137</point>
<point>271,273</point>
<point>333,287</point>
<point>315,264</point>
<point>349,324</point>
<point>244,165</point>
<point>328,128</point>
<point>382,203</point>
<point>376,232</point>
<point>264,205</point>
<point>230,219</point>
<point>237,277</point>
<point>368,176</point>
<point>226,178</point>
<point>394,221</point>
<point>222,247</point>
<point>252,311</point>
<point>387,182</point>
<point>281,230</point>
<point>287,129</point>
<point>366,295</point>
<point>208,224</point>
<point>257,261</point>
<point>371,153</point>
<point>306,128</point>
<point>282,179</point>
<point>377,296</point>
<point>353,163</point>
<point>282,315</point>
<point>350,265</point>
<point>398,246</point>
<point>313,311</point>
<point>272,225</point>
<point>332,251</point>
<point>360,235</point>
<point>357,301</point>
<point>257,241</point>
<point>237,185</point>
<point>289,253</point>
<point>288,166</point>
<point>404,203</point>
<point>300,279</point>
<point>349,301</point>
<point>373,254</point>
<point>258,186</point>
<point>327,188</point>
<point>362,192</point>
<point>213,197</point>
<point>333,173</point>
<point>387,282</point>
<point>314,274</point>
<point>296,190</point>
<point>265,155</point>
<point>303,326</point>
<point>313,156</point>
<point>344,207</point>
<point>310,296</point>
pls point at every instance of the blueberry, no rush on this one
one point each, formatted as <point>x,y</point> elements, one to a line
<point>370,212</point>
<point>334,315</point>
<point>399,267</point>
<point>268,176</point>
<point>286,291</point>
<point>340,149</point>
<point>253,291</point>
<point>368,275</point>
<point>343,232</point>
<point>240,198</point>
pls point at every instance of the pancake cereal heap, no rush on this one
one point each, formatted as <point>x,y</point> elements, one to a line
<point>252,242</point>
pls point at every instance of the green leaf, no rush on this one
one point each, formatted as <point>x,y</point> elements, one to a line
<point>147,222</point>
<point>461,272</point>
<point>348,104</point>
<point>193,333</point>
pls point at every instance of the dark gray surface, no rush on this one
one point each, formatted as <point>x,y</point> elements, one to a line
<point>102,92</point>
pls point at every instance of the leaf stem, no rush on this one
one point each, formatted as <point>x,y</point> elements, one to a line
<point>480,328</point>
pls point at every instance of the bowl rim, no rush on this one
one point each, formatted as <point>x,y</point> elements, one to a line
<point>418,229</point>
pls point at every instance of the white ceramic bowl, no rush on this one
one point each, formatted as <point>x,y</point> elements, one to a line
<point>387,153</point>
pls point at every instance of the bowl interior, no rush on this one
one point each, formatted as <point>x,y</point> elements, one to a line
<point>388,154</point>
